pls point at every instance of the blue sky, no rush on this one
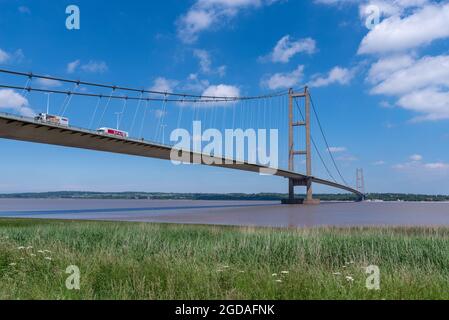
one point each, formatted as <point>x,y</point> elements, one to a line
<point>382,93</point>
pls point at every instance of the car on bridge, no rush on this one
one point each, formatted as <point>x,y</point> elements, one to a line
<point>49,118</point>
<point>113,132</point>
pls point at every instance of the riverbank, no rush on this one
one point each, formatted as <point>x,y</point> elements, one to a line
<point>390,197</point>
<point>156,261</point>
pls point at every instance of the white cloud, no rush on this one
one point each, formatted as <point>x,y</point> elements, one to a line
<point>195,84</point>
<point>204,59</point>
<point>92,66</point>
<point>286,48</point>
<point>397,33</point>
<point>437,166</point>
<point>11,57</point>
<point>337,149</point>
<point>383,68</point>
<point>18,56</point>
<point>192,84</point>
<point>420,85</point>
<point>336,75</point>
<point>386,104</point>
<point>416,157</point>
<point>416,164</point>
<point>194,22</point>
<point>72,66</point>
<point>4,56</point>
<point>335,2</point>
<point>390,7</point>
<point>162,84</point>
<point>327,1</point>
<point>95,67</point>
<point>426,72</point>
<point>207,14</point>
<point>205,62</point>
<point>285,80</point>
<point>387,7</point>
<point>221,71</point>
<point>222,90</point>
<point>48,83</point>
<point>379,163</point>
<point>10,99</point>
<point>432,102</point>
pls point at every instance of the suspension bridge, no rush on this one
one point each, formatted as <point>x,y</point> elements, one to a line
<point>146,114</point>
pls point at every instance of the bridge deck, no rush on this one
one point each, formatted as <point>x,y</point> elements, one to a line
<point>27,129</point>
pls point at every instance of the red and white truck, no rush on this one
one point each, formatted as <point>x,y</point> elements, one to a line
<point>49,118</point>
<point>113,132</point>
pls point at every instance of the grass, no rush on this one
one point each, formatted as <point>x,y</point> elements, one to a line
<point>151,261</point>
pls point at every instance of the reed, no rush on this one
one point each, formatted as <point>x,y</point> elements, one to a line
<point>161,261</point>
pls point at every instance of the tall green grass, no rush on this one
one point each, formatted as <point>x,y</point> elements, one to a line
<point>150,261</point>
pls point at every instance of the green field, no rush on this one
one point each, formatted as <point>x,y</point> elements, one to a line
<point>151,261</point>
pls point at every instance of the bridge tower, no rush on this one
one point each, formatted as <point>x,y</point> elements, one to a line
<point>303,123</point>
<point>360,184</point>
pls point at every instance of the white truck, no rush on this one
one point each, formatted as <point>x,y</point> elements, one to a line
<point>113,132</point>
<point>45,117</point>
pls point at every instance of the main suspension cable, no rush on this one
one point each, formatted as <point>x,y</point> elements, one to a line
<point>326,141</point>
<point>84,94</point>
<point>155,92</point>
<point>316,146</point>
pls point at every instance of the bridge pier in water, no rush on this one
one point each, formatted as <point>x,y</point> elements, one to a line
<point>309,200</point>
<point>304,122</point>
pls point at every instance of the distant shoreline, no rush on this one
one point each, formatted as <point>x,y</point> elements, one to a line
<point>387,197</point>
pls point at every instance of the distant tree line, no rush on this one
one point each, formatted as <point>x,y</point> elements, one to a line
<point>218,196</point>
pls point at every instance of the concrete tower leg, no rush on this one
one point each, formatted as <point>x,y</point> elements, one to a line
<point>308,152</point>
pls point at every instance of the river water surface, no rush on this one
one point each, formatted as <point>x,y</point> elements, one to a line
<point>239,213</point>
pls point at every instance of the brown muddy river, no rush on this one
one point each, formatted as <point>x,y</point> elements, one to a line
<point>239,213</point>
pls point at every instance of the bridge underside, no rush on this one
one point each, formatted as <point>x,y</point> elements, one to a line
<point>26,129</point>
